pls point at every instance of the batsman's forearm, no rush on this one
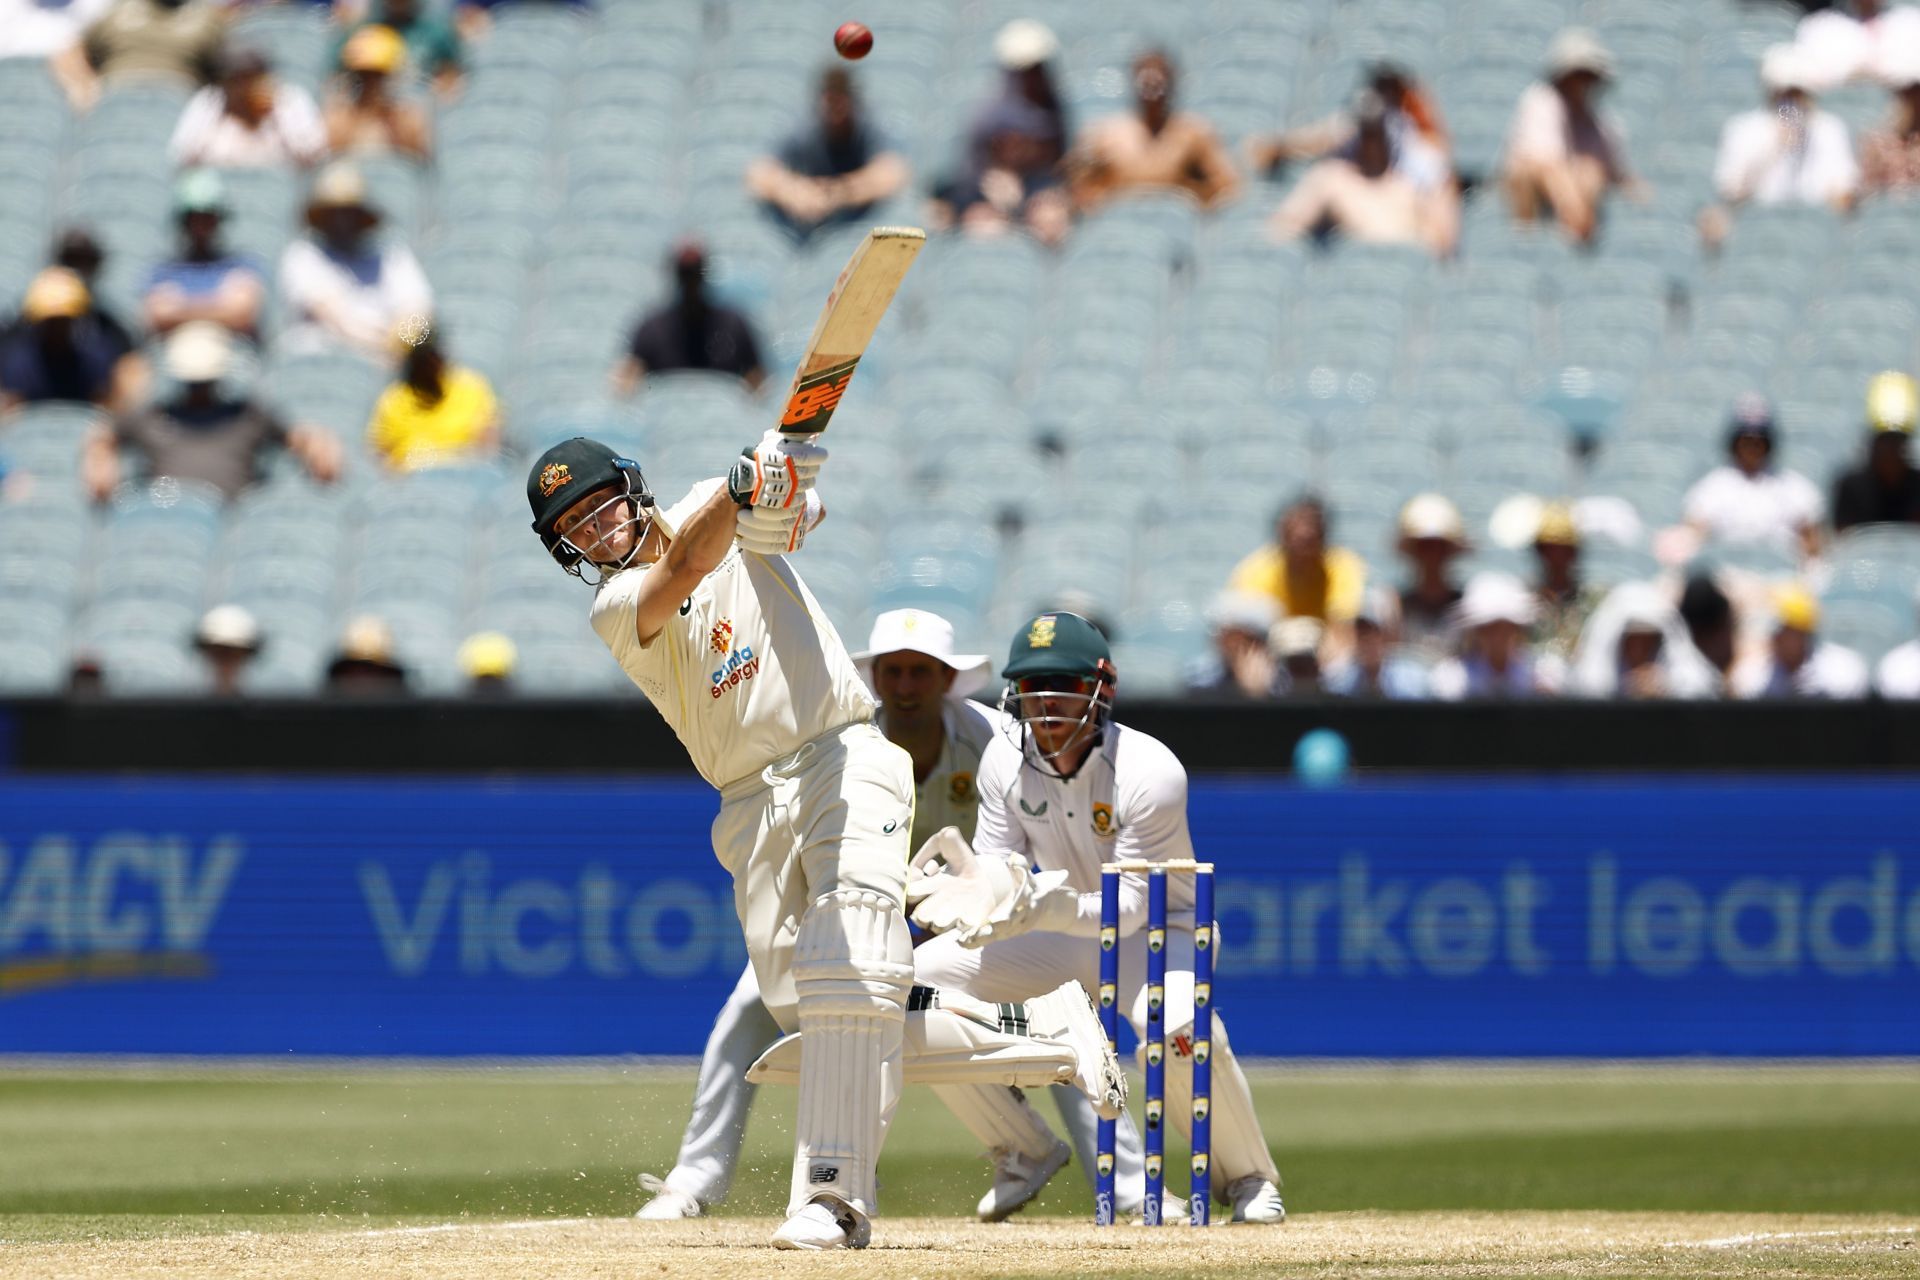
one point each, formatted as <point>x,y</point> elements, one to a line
<point>702,542</point>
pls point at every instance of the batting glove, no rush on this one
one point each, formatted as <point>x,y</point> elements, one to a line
<point>774,473</point>
<point>773,532</point>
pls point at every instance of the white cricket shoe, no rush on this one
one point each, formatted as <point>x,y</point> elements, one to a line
<point>669,1204</point>
<point>1067,1014</point>
<point>1255,1199</point>
<point>825,1223</point>
<point>1017,1180</point>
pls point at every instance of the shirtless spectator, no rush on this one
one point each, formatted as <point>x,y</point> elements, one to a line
<point>364,113</point>
<point>1156,147</point>
<point>1365,198</point>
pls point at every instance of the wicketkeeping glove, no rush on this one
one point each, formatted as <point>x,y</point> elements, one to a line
<point>774,473</point>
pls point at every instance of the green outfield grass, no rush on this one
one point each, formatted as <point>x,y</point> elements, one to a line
<point>513,1142</point>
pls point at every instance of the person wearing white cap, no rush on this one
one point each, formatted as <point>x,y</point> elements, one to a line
<point>1636,646</point>
<point>1495,660</point>
<point>1562,154</point>
<point>228,638</point>
<point>205,433</point>
<point>1785,152</point>
<point>1240,665</point>
<point>922,685</point>
<point>1432,538</point>
<point>1890,155</point>
<point>1025,50</point>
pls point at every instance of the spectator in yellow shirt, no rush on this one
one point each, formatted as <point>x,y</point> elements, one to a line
<point>1303,575</point>
<point>438,414</point>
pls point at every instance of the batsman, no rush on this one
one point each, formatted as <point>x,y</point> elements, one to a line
<point>1063,791</point>
<point>702,608</point>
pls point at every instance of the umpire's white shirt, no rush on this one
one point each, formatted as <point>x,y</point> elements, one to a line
<point>747,671</point>
<point>950,795</point>
<point>1128,800</point>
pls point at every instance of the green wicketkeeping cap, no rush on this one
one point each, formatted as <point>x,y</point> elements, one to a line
<point>1058,644</point>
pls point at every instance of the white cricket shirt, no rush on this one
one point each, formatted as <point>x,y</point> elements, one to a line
<point>1129,800</point>
<point>950,797</point>
<point>747,671</point>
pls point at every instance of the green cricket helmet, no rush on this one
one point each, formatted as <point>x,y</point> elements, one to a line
<point>1060,675</point>
<point>571,470</point>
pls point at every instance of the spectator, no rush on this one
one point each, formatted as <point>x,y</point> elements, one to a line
<point>1240,665</point>
<point>433,45</point>
<point>57,353</point>
<point>832,170</point>
<point>487,659</point>
<point>1636,647</point>
<point>1025,50</point>
<point>1303,576</point>
<point>1750,500</point>
<point>1564,601</point>
<point>228,639</point>
<point>1156,147</point>
<point>1018,186</point>
<point>1016,144</point>
<point>1885,488</point>
<point>1708,615</point>
<point>1366,198</point>
<point>249,120</point>
<point>1839,46</point>
<point>363,112</point>
<point>78,251</point>
<point>438,414</point>
<point>1432,538</point>
<point>45,28</point>
<point>1786,152</point>
<point>1797,663</point>
<point>1563,155</point>
<point>1495,660</point>
<point>1898,675</point>
<point>169,39</point>
<point>1376,668</point>
<point>1295,643</point>
<point>1890,155</point>
<point>342,289</point>
<point>203,433</point>
<point>1421,149</point>
<point>691,332</point>
<point>205,282</point>
<point>364,665</point>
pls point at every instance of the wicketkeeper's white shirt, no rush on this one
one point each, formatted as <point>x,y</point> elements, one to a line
<point>1129,800</point>
<point>747,671</point>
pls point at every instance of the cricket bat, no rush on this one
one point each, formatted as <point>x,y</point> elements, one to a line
<point>860,297</point>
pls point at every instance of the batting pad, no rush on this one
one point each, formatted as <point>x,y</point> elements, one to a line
<point>852,969</point>
<point>944,1047</point>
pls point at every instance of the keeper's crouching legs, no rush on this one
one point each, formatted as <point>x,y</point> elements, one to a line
<point>852,970</point>
<point>1239,1148</point>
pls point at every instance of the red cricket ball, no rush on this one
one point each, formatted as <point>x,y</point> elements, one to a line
<point>853,40</point>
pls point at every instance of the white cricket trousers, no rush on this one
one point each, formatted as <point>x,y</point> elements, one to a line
<point>1031,964</point>
<point>717,1127</point>
<point>818,844</point>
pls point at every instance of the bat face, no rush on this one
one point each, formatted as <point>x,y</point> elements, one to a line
<point>859,299</point>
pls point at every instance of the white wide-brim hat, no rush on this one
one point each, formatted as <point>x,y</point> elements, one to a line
<point>917,631</point>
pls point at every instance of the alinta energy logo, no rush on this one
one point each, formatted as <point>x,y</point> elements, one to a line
<point>127,906</point>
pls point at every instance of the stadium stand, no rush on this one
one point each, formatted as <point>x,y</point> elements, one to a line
<point>1119,417</point>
